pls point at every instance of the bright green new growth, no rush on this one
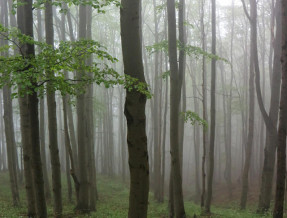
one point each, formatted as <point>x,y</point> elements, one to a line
<point>66,57</point>
<point>194,118</point>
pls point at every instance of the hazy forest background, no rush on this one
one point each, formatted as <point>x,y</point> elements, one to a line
<point>155,108</point>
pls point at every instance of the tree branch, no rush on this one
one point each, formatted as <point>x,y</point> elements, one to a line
<point>245,10</point>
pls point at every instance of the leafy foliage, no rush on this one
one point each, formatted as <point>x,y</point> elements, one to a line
<point>197,51</point>
<point>161,46</point>
<point>194,118</point>
<point>189,50</point>
<point>165,75</point>
<point>29,72</point>
<point>163,6</point>
<point>96,4</point>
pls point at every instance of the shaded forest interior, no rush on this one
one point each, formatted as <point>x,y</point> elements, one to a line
<point>155,108</point>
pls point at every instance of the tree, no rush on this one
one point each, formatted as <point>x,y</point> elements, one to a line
<point>175,93</point>
<point>156,118</point>
<point>25,135</point>
<point>228,144</point>
<point>52,119</point>
<point>9,125</point>
<point>90,122</point>
<point>204,105</point>
<point>271,121</point>
<point>181,71</point>
<point>281,151</point>
<point>83,203</point>
<point>248,150</point>
<point>42,120</point>
<point>135,108</point>
<point>212,113</point>
<point>29,108</point>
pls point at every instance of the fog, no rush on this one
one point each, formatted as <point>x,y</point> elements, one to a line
<point>142,108</point>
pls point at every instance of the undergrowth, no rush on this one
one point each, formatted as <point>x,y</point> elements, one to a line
<point>113,203</point>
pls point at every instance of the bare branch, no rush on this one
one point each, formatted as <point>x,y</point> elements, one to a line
<point>245,10</point>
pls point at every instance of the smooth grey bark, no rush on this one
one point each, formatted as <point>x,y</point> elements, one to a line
<point>204,107</point>
<point>228,145</point>
<point>11,144</point>
<point>271,134</point>
<point>156,118</point>
<point>2,143</point>
<point>212,113</point>
<point>164,139</point>
<point>181,71</point>
<point>196,139</point>
<point>282,130</point>
<point>90,125</point>
<point>130,14</point>
<point>249,145</point>
<point>52,119</point>
<point>9,125</point>
<point>71,125</point>
<point>34,119</point>
<point>175,94</point>
<point>25,134</point>
<point>83,203</point>
<point>42,119</point>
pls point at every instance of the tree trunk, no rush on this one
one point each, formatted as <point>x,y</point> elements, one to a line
<point>196,140</point>
<point>11,144</point>
<point>228,166</point>
<point>122,137</point>
<point>30,126</point>
<point>83,204</point>
<point>42,120</point>
<point>175,93</point>
<point>90,124</point>
<point>204,107</point>
<point>156,118</point>
<point>163,140</point>
<point>281,151</point>
<point>249,145</point>
<point>212,113</point>
<point>181,71</point>
<point>271,135</point>
<point>52,118</point>
<point>135,109</point>
<point>9,125</point>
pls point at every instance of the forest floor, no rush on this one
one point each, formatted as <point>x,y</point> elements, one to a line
<point>113,203</point>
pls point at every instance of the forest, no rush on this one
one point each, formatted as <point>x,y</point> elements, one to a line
<point>143,108</point>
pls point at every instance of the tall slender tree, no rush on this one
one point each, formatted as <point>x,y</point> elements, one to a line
<point>83,203</point>
<point>204,104</point>
<point>156,118</point>
<point>29,117</point>
<point>135,108</point>
<point>8,121</point>
<point>52,119</point>
<point>42,118</point>
<point>212,113</point>
<point>249,145</point>
<point>175,93</point>
<point>271,120</point>
<point>282,131</point>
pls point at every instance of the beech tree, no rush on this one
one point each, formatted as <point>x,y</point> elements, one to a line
<point>281,151</point>
<point>135,108</point>
<point>175,93</point>
<point>212,114</point>
<point>30,123</point>
<point>52,118</point>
